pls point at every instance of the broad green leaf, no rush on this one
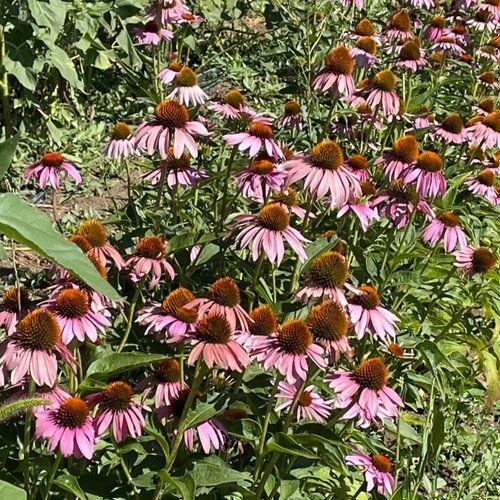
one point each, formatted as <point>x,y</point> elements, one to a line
<point>32,228</point>
<point>160,440</point>
<point>213,471</point>
<point>184,485</point>
<point>25,75</point>
<point>200,413</point>
<point>70,484</point>
<point>7,150</point>
<point>115,363</point>
<point>11,492</point>
<point>285,443</point>
<point>50,14</point>
<point>58,58</point>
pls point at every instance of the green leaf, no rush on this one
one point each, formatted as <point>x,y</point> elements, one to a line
<point>184,485</point>
<point>50,14</point>
<point>26,76</point>
<point>70,484</point>
<point>11,492</point>
<point>7,150</point>
<point>160,440</point>
<point>62,62</point>
<point>213,471</point>
<point>3,253</point>
<point>32,228</point>
<point>115,363</point>
<point>200,413</point>
<point>284,443</point>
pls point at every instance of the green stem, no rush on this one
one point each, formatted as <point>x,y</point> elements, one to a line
<point>4,85</point>
<point>225,189</point>
<point>439,293</point>
<point>161,183</point>
<point>27,440</point>
<point>129,183</point>
<point>52,473</point>
<point>124,467</point>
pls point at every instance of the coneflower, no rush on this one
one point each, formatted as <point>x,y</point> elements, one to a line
<point>427,174</point>
<point>376,468</point>
<point>49,168</point>
<point>121,143</point>
<point>14,305</point>
<point>151,33</point>
<point>337,73</point>
<point>484,185</point>
<point>403,156</point>
<point>186,88</point>
<point>475,260</point>
<point>446,227</point>
<point>382,93</point>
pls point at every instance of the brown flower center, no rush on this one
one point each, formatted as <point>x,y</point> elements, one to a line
<point>368,299</point>
<point>486,177</point>
<point>120,131</point>
<point>339,60</point>
<point>404,193</point>
<point>294,337</point>
<point>274,217</point>
<point>117,396</point>
<point>329,270</point>
<point>171,114</point>
<point>213,329</point>
<point>52,159</point>
<point>488,77</point>
<point>262,167</point>
<point>186,78</point>
<point>94,232</point>
<point>405,149</point>
<point>438,22</point>
<point>327,155</point>
<point>358,162</point>
<point>328,321</point>
<point>176,66</point>
<point>401,21</point>
<point>410,51</point>
<point>14,297</point>
<point>175,302</point>
<point>453,124</point>
<point>72,303</point>
<point>292,108</point>
<point>167,370</point>
<point>288,197</point>
<point>474,120</point>
<point>173,163</point>
<point>364,109</point>
<point>261,130</point>
<point>371,374</point>
<point>429,161</point>
<point>385,80</point>
<point>396,350</point>
<point>449,220</point>
<point>367,44</point>
<point>305,399</point>
<point>382,463</point>
<point>264,321</point>
<point>225,292</point>
<point>234,98</point>
<point>365,28</point>
<point>482,16</point>
<point>81,242</point>
<point>151,247</point>
<point>368,188</point>
<point>72,413</point>
<point>483,260</point>
<point>38,330</point>
<point>493,121</point>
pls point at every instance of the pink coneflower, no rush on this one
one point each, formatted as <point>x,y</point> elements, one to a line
<point>367,315</point>
<point>377,470</point>
<point>263,323</point>
<point>492,6</point>
<point>311,406</point>
<point>165,380</point>
<point>71,308</point>
<point>151,33</point>
<point>48,169</point>
<point>447,44</point>
<point>398,202</point>
<point>289,351</point>
<point>149,257</point>
<point>483,20</point>
<point>292,116</point>
<point>362,211</point>
<point>186,88</point>
<point>427,174</point>
<point>403,155</point>
<point>382,93</point>
<point>169,73</point>
<point>171,120</point>
<point>210,433</point>
<point>96,235</point>
<point>399,27</point>
<point>427,4</point>
<point>364,52</point>
<point>411,56</point>
<point>329,325</point>
<point>167,11</point>
<point>15,304</point>
<point>363,28</point>
<point>260,178</point>
<point>484,185</point>
<point>171,318</point>
<point>69,426</point>
<point>288,198</point>
<point>451,130</point>
<point>259,135</point>
<point>232,106</point>
<point>223,298</point>
<point>486,132</point>
<point>213,339</point>
<point>436,28</point>
<point>267,232</point>
<point>122,144</point>
<point>177,172</point>
<point>365,392</point>
<point>117,408</point>
<point>474,260</point>
<point>337,73</point>
<point>489,80</point>
<point>489,52</point>
<point>190,18</point>
<point>446,226</point>
<point>324,172</point>
<point>32,349</point>
<point>325,279</point>
<point>358,165</point>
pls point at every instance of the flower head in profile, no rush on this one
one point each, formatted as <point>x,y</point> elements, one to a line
<point>337,73</point>
<point>486,132</point>
<point>289,199</point>
<point>232,105</point>
<point>368,315</point>
<point>427,175</point>
<point>448,45</point>
<point>329,325</point>
<point>267,232</point>
<point>224,298</point>
<point>484,106</point>
<point>451,130</point>
<point>69,426</point>
<point>484,184</point>
<point>361,209</point>
<point>49,168</point>
<point>403,155</point>
<point>445,227</point>
<point>73,312</point>
<point>289,351</point>
<point>399,27</point>
<point>377,470</point>
<point>168,73</point>
<point>365,27</point>
<point>171,122</point>
<point>14,305</point>
<point>213,340</point>
<point>150,258</point>
<point>95,234</point>
<point>325,279</point>
<point>117,408</point>
<point>263,323</point>
<point>170,318</point>
<point>186,88</point>
<point>121,144</point>
<point>292,115</point>
<point>151,33</point>
<point>475,260</point>
<point>382,94</point>
<point>165,381</point>
<point>324,172</point>
<point>436,28</point>
<point>167,11</point>
<point>311,406</point>
<point>364,52</point>
<point>411,56</point>
<point>364,391</point>
<point>33,349</point>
